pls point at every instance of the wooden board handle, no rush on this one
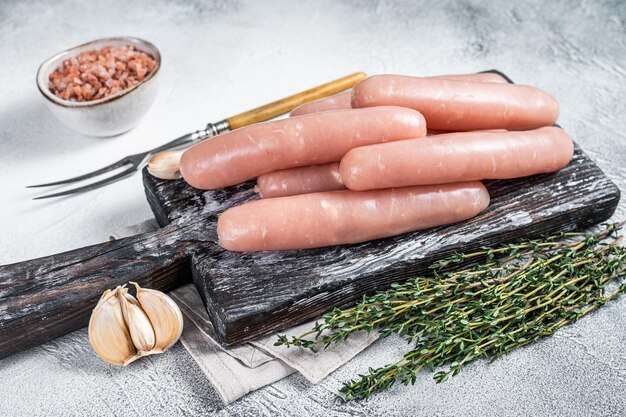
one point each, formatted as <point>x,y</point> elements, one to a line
<point>45,298</point>
<point>284,105</point>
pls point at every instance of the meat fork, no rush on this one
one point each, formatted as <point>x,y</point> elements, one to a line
<point>132,163</point>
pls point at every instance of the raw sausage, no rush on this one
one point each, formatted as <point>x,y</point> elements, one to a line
<point>319,138</point>
<point>339,101</point>
<point>311,179</point>
<point>344,217</point>
<point>342,100</point>
<point>456,157</point>
<point>304,180</point>
<point>453,105</point>
<point>430,132</point>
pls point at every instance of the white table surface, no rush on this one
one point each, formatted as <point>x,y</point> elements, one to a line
<point>224,56</point>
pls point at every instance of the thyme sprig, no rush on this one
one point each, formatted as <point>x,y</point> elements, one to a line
<point>482,304</point>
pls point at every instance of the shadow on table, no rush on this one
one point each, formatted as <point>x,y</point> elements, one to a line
<point>28,131</point>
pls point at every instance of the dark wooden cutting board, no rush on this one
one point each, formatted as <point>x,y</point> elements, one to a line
<point>251,294</point>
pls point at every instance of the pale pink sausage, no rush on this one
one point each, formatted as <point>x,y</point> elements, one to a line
<point>430,132</point>
<point>311,179</point>
<point>460,105</point>
<point>311,139</point>
<point>303,180</point>
<point>456,157</point>
<point>342,100</point>
<point>344,217</point>
<point>339,101</point>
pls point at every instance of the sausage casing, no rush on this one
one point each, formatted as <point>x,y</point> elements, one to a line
<point>344,217</point>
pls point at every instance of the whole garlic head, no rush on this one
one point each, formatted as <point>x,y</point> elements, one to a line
<point>123,328</point>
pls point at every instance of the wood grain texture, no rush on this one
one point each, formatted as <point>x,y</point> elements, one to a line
<point>47,297</point>
<point>250,294</point>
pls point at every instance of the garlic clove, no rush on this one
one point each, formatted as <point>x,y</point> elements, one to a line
<point>166,165</point>
<point>139,326</point>
<point>108,333</point>
<point>102,299</point>
<point>164,314</point>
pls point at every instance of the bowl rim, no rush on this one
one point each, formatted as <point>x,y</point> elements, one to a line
<point>45,90</point>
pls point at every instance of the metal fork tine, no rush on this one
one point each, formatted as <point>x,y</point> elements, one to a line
<point>90,186</point>
<point>113,166</point>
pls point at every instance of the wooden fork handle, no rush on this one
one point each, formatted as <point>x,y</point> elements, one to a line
<point>286,104</point>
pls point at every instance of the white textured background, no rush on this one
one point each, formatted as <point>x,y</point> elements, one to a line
<point>222,57</point>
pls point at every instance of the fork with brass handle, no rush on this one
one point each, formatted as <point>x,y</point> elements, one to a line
<point>132,163</point>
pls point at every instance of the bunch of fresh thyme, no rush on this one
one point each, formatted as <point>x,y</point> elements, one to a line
<point>506,298</point>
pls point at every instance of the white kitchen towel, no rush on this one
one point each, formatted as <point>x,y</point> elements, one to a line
<point>231,378</point>
<point>236,371</point>
<point>190,303</point>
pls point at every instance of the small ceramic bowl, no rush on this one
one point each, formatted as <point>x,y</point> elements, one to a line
<point>111,115</point>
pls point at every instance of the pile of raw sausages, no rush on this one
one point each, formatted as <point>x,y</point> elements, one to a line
<point>362,165</point>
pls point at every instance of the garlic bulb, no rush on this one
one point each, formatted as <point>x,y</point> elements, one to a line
<point>166,165</point>
<point>123,328</point>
